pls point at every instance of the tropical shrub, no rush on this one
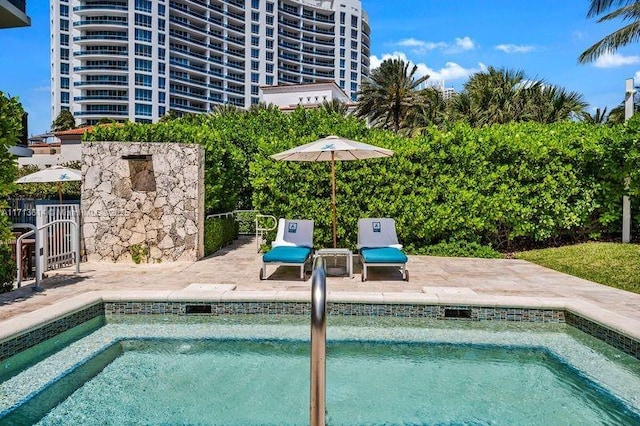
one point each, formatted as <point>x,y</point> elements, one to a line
<point>7,269</point>
<point>219,232</point>
<point>11,113</point>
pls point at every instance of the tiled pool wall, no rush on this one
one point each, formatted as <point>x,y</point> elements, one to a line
<point>31,338</point>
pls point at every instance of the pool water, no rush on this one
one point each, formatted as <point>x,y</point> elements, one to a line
<point>146,377</point>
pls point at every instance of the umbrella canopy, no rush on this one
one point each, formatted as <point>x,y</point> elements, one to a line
<point>57,174</point>
<point>333,148</point>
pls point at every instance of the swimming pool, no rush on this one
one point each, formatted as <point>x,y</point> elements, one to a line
<point>254,370</point>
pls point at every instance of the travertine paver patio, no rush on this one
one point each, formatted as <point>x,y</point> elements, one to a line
<point>456,280</point>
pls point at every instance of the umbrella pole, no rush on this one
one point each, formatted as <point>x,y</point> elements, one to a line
<point>333,198</point>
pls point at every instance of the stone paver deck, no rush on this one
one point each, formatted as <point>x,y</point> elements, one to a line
<point>450,280</point>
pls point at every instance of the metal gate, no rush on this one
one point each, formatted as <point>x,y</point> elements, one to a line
<point>58,242</point>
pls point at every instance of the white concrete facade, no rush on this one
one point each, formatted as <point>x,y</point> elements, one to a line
<point>307,95</point>
<point>137,59</point>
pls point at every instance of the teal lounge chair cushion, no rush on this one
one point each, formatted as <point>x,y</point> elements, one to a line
<point>284,254</point>
<point>383,255</point>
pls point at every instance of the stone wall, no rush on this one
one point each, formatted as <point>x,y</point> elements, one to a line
<point>143,195</point>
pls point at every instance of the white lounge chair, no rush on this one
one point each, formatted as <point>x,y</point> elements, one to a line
<point>292,247</point>
<point>378,245</point>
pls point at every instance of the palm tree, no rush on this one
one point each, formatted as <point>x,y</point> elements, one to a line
<point>389,93</point>
<point>627,10</point>
<point>497,95</point>
<point>548,103</point>
<point>335,106</point>
<point>64,121</point>
<point>599,116</point>
<point>431,111</point>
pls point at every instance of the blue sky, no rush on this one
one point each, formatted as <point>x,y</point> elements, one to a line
<point>447,39</point>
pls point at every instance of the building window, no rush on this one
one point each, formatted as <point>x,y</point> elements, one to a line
<point>161,9</point>
<point>255,65</point>
<point>342,63</point>
<point>270,7</point>
<point>143,95</point>
<point>269,68</point>
<point>255,16</point>
<point>161,53</point>
<point>143,80</point>
<point>269,20</point>
<point>143,35</point>
<point>354,21</point>
<point>269,44</point>
<point>162,111</point>
<point>64,54</point>
<point>64,25</point>
<point>255,90</point>
<point>255,4</point>
<point>161,82</point>
<point>64,82</point>
<point>161,39</point>
<point>342,42</point>
<point>64,68</point>
<point>269,31</point>
<point>161,24</point>
<point>342,52</point>
<point>255,41</point>
<point>255,53</point>
<point>269,80</point>
<point>269,56</point>
<point>343,17</point>
<point>143,5</point>
<point>255,77</point>
<point>255,101</point>
<point>64,97</point>
<point>143,20</point>
<point>143,110</point>
<point>354,56</point>
<point>342,31</point>
<point>354,45</point>
<point>64,39</point>
<point>354,87</point>
<point>64,10</point>
<point>342,73</point>
<point>255,29</point>
<point>143,50</point>
<point>143,65</point>
<point>354,34</point>
<point>354,76</point>
<point>161,97</point>
<point>354,65</point>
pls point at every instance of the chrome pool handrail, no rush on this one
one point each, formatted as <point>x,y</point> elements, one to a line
<point>318,342</point>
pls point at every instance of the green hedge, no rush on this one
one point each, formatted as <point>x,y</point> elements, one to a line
<point>219,232</point>
<point>488,186</point>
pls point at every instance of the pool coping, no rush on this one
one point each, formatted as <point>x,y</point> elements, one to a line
<point>602,323</point>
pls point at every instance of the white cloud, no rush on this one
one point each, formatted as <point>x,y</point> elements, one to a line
<point>450,71</point>
<point>514,48</point>
<point>613,60</point>
<point>636,76</point>
<point>465,43</point>
<point>421,47</point>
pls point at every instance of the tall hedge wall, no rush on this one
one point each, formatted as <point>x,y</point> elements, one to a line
<point>490,185</point>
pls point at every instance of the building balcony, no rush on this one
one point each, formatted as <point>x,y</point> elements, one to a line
<point>13,14</point>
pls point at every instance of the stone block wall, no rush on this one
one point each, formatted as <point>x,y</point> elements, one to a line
<point>143,194</point>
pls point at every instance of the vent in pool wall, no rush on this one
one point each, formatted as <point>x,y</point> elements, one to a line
<point>457,313</point>
<point>197,309</point>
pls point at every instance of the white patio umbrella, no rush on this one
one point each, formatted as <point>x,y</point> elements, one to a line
<point>56,174</point>
<point>333,148</point>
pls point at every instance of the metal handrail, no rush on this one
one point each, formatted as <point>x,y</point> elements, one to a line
<point>260,231</point>
<point>318,343</point>
<point>33,231</point>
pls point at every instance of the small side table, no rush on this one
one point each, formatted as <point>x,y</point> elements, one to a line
<point>343,252</point>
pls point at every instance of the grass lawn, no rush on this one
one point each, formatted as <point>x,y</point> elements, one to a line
<point>613,264</point>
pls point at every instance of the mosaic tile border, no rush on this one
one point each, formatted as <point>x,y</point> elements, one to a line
<point>611,337</point>
<point>31,338</point>
<point>440,312</point>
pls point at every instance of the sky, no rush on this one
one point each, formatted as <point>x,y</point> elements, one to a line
<point>448,40</point>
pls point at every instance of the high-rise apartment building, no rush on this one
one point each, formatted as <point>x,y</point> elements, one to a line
<point>138,59</point>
